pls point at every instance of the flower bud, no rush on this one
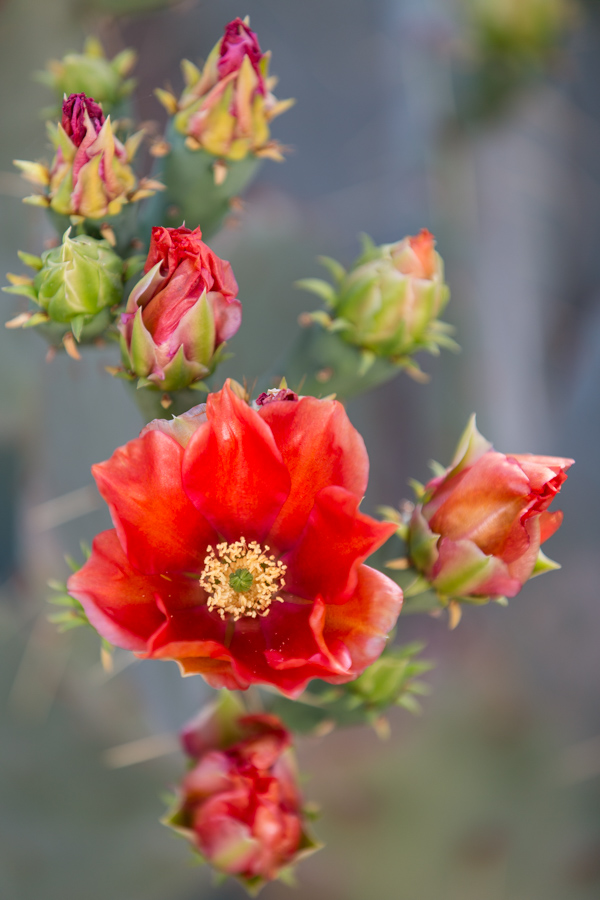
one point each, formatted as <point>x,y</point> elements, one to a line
<point>388,302</point>
<point>76,285</point>
<point>226,108</point>
<point>504,45</point>
<point>477,530</point>
<point>90,176</point>
<point>180,313</point>
<point>93,74</point>
<point>239,804</point>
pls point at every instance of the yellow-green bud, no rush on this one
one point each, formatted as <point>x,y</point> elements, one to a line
<point>388,302</point>
<point>93,74</point>
<point>77,281</point>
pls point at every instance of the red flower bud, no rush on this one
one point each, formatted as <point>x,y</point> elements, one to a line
<point>478,530</point>
<point>239,41</point>
<point>74,122</point>
<point>90,176</point>
<point>239,804</point>
<point>275,394</point>
<point>252,517</point>
<point>180,312</point>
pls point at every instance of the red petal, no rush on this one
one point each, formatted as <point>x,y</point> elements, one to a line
<point>541,469</point>
<point>160,530</point>
<point>195,638</point>
<point>549,523</point>
<point>320,447</point>
<point>364,622</point>
<point>282,648</point>
<point>336,539</point>
<point>232,469</point>
<point>119,602</point>
<point>484,504</point>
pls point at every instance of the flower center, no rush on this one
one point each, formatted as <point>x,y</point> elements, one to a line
<point>241,579</point>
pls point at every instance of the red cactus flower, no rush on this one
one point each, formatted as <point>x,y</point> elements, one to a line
<point>240,554</point>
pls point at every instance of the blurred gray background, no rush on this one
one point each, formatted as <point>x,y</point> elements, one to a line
<point>494,794</point>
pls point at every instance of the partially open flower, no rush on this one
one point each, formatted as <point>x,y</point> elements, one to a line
<point>240,554</point>
<point>226,108</point>
<point>91,73</point>
<point>239,804</point>
<point>388,302</point>
<point>76,284</point>
<point>477,530</point>
<point>180,313</point>
<point>90,176</point>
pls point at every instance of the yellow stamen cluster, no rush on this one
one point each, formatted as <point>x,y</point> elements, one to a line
<point>220,568</point>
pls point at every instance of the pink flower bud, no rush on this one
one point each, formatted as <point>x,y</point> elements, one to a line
<point>181,312</point>
<point>478,530</point>
<point>239,41</point>
<point>226,109</point>
<point>90,176</point>
<point>74,119</point>
<point>239,803</point>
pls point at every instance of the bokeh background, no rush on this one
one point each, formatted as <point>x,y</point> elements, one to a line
<point>408,115</point>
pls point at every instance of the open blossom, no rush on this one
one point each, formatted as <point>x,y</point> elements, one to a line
<point>90,176</point>
<point>227,107</point>
<point>239,803</point>
<point>181,312</point>
<point>238,546</point>
<point>478,529</point>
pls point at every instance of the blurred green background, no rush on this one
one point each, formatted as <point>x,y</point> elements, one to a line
<point>410,113</point>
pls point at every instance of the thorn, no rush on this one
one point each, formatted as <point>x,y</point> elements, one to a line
<point>165,401</point>
<point>113,370</point>
<point>220,171</point>
<point>50,354</point>
<point>382,728</point>
<point>160,149</point>
<point>70,346</point>
<point>324,728</point>
<point>237,205</point>
<point>454,614</point>
<point>324,375</point>
<point>304,320</point>
<point>402,563</point>
<point>108,234</point>
<point>106,658</point>
<point>19,320</point>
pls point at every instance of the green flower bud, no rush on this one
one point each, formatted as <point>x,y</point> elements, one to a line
<point>76,285</point>
<point>93,74</point>
<point>389,301</point>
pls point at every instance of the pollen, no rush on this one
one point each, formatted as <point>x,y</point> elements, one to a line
<point>242,579</point>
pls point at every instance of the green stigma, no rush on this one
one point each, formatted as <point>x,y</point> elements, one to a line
<point>241,580</point>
